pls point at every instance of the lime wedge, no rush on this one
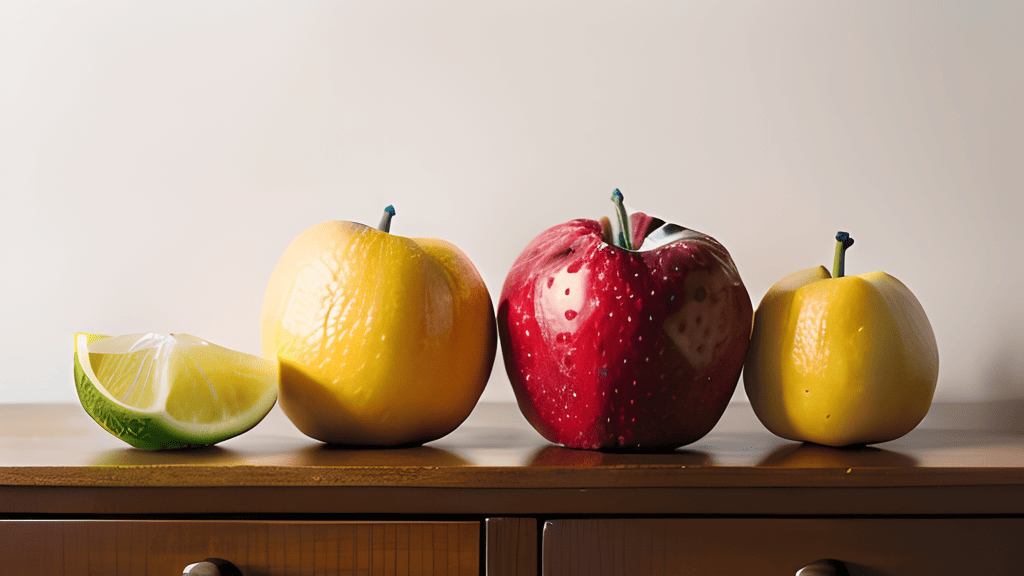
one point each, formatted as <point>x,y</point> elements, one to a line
<point>157,391</point>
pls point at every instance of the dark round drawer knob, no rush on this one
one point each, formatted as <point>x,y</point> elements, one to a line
<point>824,567</point>
<point>212,567</point>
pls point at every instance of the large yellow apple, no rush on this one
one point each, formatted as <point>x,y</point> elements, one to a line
<point>382,340</point>
<point>840,360</point>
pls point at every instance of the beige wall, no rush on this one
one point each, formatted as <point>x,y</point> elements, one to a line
<point>157,157</point>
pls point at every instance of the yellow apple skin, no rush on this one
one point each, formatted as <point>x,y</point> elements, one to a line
<point>382,340</point>
<point>840,361</point>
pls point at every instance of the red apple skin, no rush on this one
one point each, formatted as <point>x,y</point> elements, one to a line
<point>612,349</point>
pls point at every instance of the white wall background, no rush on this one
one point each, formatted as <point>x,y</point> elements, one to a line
<point>156,157</point>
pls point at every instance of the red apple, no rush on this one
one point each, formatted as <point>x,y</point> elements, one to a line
<point>609,346</point>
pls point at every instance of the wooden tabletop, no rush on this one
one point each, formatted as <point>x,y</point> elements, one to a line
<point>55,459</point>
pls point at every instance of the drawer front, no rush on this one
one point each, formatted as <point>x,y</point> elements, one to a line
<point>781,546</point>
<point>135,548</point>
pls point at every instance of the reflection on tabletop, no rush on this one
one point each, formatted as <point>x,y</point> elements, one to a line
<point>558,457</point>
<point>807,455</point>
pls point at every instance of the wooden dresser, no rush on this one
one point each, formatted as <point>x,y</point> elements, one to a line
<point>494,498</point>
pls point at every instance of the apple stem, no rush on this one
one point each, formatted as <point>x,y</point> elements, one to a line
<point>625,239</point>
<point>385,221</point>
<point>843,241</point>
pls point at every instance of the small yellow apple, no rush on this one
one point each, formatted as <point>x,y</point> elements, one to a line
<point>840,361</point>
<point>382,340</point>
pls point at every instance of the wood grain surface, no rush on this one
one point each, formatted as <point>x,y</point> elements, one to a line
<point>54,444</point>
<point>75,500</point>
<point>965,459</point>
<point>512,546</point>
<point>781,546</point>
<point>135,548</point>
